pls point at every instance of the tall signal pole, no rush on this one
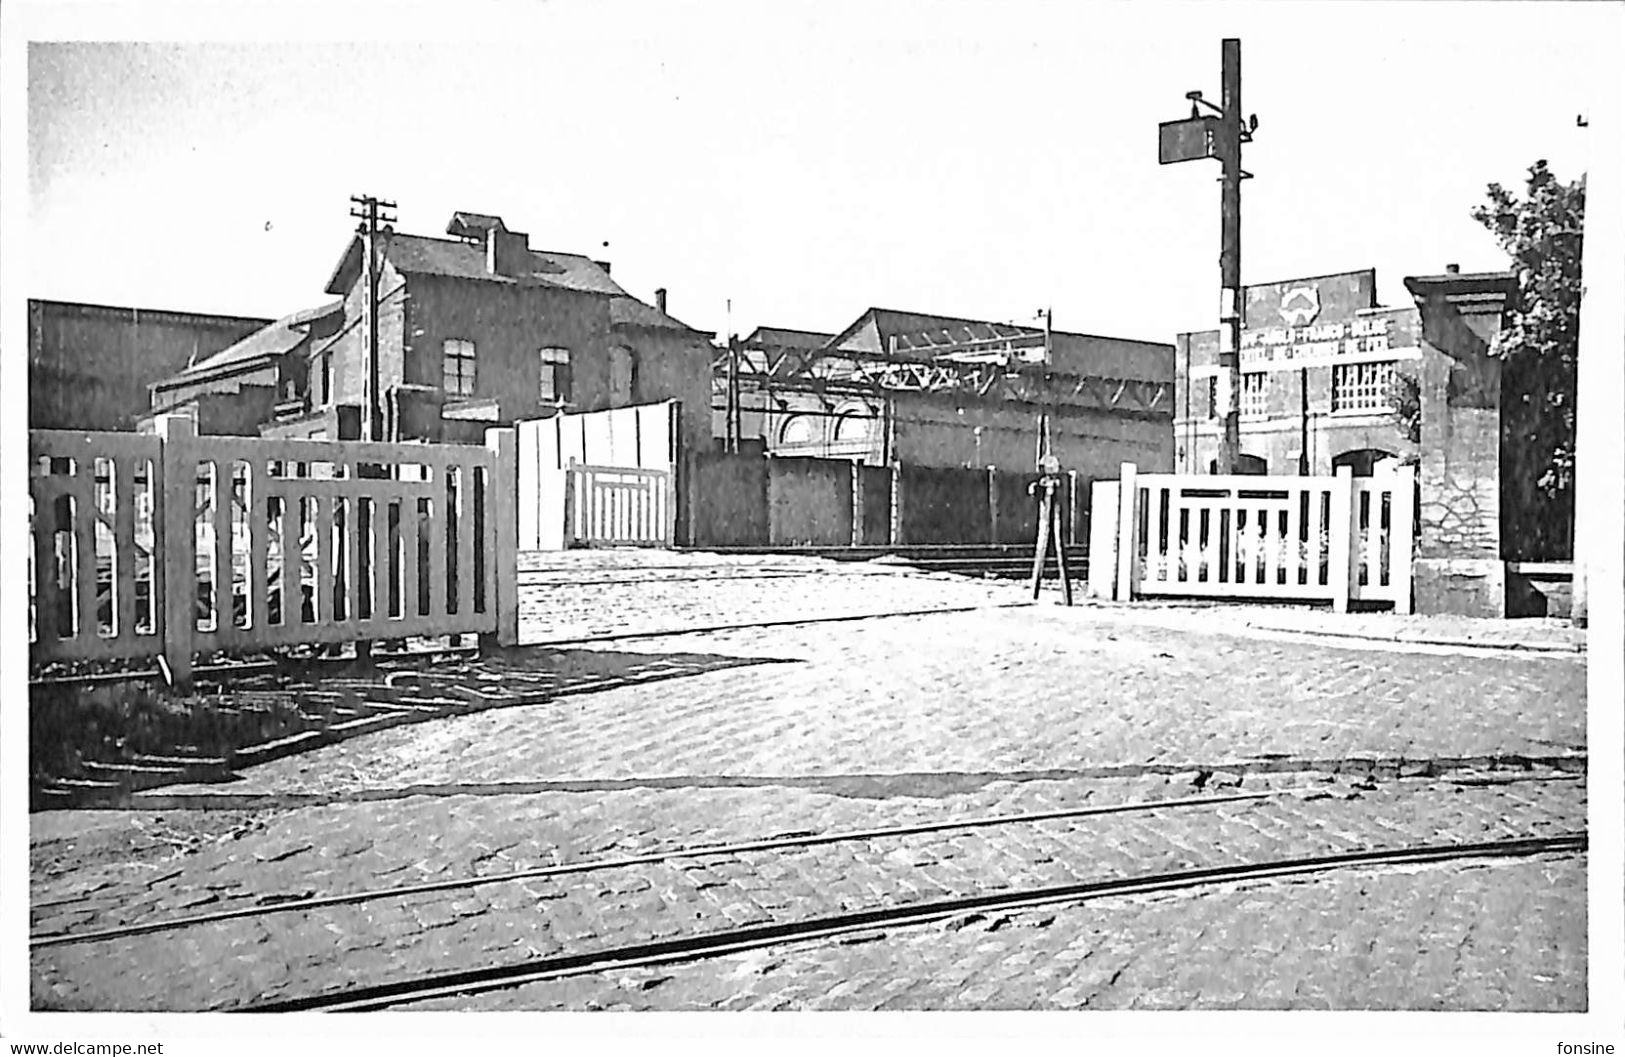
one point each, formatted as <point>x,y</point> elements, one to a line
<point>1220,135</point>
<point>1230,306</point>
<point>370,209</point>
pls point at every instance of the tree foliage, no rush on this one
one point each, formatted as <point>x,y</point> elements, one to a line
<point>1542,233</point>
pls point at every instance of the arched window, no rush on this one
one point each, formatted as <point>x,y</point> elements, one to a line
<point>853,426</point>
<point>1362,461</point>
<point>798,429</point>
<point>1251,465</point>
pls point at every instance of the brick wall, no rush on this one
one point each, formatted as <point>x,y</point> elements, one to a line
<point>1458,567</point>
<point>1276,436</point>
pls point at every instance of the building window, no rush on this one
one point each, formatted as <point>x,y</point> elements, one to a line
<point>1255,389</point>
<point>1361,386</point>
<point>555,387</point>
<point>325,397</point>
<point>457,367</point>
<point>1213,396</point>
<point>797,429</point>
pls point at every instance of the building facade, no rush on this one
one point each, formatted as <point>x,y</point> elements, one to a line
<point>943,391</point>
<point>91,366</point>
<point>237,390</point>
<point>473,330</point>
<point>1317,358</point>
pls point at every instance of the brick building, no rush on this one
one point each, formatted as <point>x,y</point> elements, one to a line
<point>474,330</point>
<point>91,366</point>
<point>1317,355</point>
<point>1316,358</point>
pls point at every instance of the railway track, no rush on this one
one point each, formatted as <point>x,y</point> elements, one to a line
<point>799,840</point>
<point>466,982</point>
<point>888,914</point>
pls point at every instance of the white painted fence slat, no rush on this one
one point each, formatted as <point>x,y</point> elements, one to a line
<point>1267,537</point>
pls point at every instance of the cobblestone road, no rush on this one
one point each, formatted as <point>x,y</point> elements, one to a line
<point>884,722</point>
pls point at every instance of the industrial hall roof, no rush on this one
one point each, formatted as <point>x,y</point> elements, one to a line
<point>788,337</point>
<point>278,338</point>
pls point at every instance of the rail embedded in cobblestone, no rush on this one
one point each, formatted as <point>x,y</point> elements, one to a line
<point>465,982</point>
<point>798,840</point>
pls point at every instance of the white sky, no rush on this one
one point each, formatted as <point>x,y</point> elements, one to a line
<point>805,160</point>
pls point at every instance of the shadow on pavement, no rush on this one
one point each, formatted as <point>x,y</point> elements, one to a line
<point>1475,770</point>
<point>99,746</point>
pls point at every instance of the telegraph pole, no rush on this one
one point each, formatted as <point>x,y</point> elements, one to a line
<point>370,209</point>
<point>1220,135</point>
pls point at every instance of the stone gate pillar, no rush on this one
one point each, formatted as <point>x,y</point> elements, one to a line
<point>1458,566</point>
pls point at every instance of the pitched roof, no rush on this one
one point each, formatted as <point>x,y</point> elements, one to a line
<point>630,312</point>
<point>464,260</point>
<point>278,338</point>
<point>911,328</point>
<point>875,330</point>
<point>789,337</point>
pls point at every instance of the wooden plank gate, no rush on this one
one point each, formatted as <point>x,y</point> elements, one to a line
<point>1320,539</point>
<point>177,544</point>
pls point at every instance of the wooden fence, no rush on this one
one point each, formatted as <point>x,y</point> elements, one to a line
<point>1328,539</point>
<point>176,544</point>
<point>612,462</point>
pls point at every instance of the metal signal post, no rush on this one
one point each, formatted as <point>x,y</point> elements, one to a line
<point>1220,135</point>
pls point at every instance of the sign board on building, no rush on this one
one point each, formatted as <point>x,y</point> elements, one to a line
<point>1187,140</point>
<point>1315,322</point>
<point>1319,321</point>
<point>1361,340</point>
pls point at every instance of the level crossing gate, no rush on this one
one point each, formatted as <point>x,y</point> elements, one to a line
<point>1316,538</point>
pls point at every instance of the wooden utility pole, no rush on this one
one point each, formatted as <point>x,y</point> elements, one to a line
<point>369,209</point>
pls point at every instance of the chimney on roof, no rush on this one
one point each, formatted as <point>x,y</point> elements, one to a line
<point>660,300</point>
<point>1452,269</point>
<point>507,252</point>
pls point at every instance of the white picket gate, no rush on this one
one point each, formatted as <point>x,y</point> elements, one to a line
<point>599,478</point>
<point>1323,539</point>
